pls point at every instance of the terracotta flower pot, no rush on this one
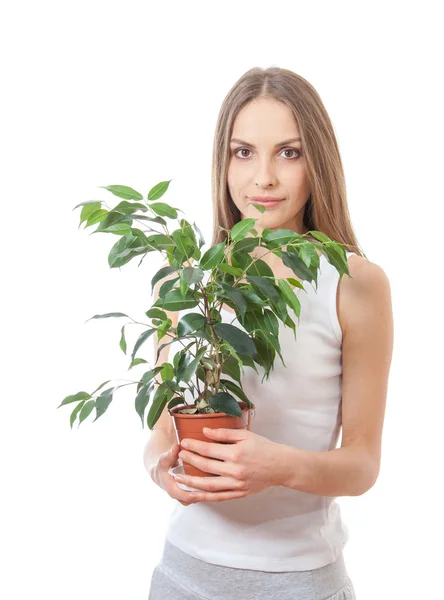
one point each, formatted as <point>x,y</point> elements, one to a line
<point>191,426</point>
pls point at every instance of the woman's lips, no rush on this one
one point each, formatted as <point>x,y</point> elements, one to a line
<point>269,203</point>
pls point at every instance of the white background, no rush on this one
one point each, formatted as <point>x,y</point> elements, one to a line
<point>97,93</point>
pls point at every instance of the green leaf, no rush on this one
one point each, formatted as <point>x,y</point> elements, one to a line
<point>238,391</point>
<point>113,218</point>
<point>116,228</point>
<point>123,191</point>
<point>75,412</point>
<point>183,286</point>
<point>179,257</point>
<point>225,403</point>
<point>271,322</point>
<point>149,375</point>
<point>253,298</point>
<point>183,242</point>
<point>75,398</point>
<point>201,238</point>
<point>266,355</point>
<point>174,301</point>
<point>116,250</point>
<point>319,236</point>
<point>296,283</point>
<point>188,231</point>
<point>122,342</point>
<point>263,326</point>
<point>142,338</point>
<point>213,256</point>
<point>96,217</point>
<point>289,296</point>
<point>100,386</point>
<point>242,228</point>
<point>142,399</point>
<point>87,202</point>
<point>261,268</point>
<point>265,287</point>
<point>166,287</point>
<point>164,210</point>
<point>192,275</point>
<point>226,268</point>
<point>272,340</point>
<point>175,401</point>
<point>260,207</point>
<point>121,258</point>
<point>336,256</point>
<point>128,208</point>
<point>231,367</point>
<point>174,386</point>
<point>161,274</point>
<point>188,365</point>
<point>103,401</point>
<point>242,246</point>
<point>308,254</point>
<point>281,236</point>
<point>228,349</point>
<point>189,324</point>
<point>240,341</point>
<point>153,219</point>
<point>167,371</point>
<point>163,328</point>
<point>106,315</point>
<point>161,397</point>
<point>297,265</point>
<point>236,297</point>
<point>158,190</point>
<point>136,361</point>
<point>88,209</point>
<point>156,313</point>
<point>86,410</point>
<point>159,242</point>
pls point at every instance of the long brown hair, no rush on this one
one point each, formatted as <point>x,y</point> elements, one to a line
<point>326,209</point>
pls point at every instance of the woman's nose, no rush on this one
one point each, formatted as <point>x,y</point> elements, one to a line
<point>265,175</point>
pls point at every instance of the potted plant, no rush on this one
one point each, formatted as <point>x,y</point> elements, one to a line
<point>213,352</point>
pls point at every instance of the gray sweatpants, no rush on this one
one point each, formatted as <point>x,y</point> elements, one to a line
<point>179,576</point>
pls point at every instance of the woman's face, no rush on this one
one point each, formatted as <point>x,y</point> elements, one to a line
<point>261,165</point>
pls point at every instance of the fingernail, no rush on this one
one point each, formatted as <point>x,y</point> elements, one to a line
<point>180,479</point>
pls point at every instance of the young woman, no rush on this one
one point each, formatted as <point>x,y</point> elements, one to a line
<point>269,526</point>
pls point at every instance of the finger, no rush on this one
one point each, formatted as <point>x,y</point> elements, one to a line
<point>171,456</point>
<point>218,451</point>
<point>217,467</point>
<point>209,484</point>
<point>174,457</point>
<point>183,495</point>
<point>177,492</point>
<point>216,497</point>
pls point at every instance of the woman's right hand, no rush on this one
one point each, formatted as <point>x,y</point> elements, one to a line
<point>160,475</point>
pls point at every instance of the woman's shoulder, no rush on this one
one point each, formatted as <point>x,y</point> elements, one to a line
<point>365,271</point>
<point>367,288</point>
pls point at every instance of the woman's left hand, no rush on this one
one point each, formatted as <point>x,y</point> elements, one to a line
<point>248,464</point>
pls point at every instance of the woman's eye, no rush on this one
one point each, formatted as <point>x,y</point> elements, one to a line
<point>292,150</point>
<point>285,150</point>
<point>241,150</point>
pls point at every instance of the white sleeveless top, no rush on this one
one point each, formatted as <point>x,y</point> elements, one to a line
<point>281,529</point>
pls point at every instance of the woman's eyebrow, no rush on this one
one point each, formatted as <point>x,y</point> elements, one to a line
<point>276,145</point>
